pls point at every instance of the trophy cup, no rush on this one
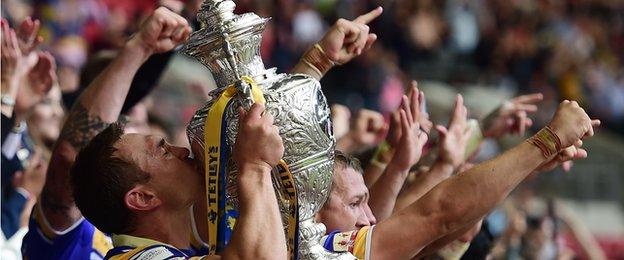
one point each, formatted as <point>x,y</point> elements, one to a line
<point>229,45</point>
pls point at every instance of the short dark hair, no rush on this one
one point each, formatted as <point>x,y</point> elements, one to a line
<point>344,160</point>
<point>101,179</point>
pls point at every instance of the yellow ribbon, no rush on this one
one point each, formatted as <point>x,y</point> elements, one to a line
<point>213,139</point>
<point>212,152</point>
<point>289,194</point>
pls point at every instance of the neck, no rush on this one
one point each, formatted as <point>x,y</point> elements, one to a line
<point>168,227</point>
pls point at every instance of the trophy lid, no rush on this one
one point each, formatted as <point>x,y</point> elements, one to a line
<point>228,44</point>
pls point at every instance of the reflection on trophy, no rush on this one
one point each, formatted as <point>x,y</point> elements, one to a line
<point>229,45</point>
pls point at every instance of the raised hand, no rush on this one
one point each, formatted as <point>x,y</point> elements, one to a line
<point>511,116</point>
<point>571,124</point>
<point>417,98</point>
<point>11,54</point>
<point>37,83</point>
<point>258,142</point>
<point>453,140</point>
<point>14,63</point>
<point>346,39</point>
<point>367,130</point>
<point>413,138</point>
<point>43,75</point>
<point>33,177</point>
<point>162,31</point>
<point>340,115</point>
<point>27,35</point>
<point>15,66</point>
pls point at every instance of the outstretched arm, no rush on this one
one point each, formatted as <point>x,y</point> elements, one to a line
<point>100,105</point>
<point>465,198</point>
<point>259,233</point>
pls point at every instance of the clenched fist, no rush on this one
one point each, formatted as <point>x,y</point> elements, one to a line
<point>258,141</point>
<point>571,123</point>
<point>162,31</point>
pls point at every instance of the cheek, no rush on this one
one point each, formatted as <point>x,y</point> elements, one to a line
<point>350,215</point>
<point>42,113</point>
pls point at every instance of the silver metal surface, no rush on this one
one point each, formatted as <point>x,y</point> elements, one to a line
<point>229,44</point>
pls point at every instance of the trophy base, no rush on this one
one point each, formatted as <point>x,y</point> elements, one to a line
<point>310,234</point>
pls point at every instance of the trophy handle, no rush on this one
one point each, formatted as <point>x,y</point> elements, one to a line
<point>244,92</point>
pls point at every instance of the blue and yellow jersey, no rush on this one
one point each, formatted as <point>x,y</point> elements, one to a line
<point>80,241</point>
<point>356,242</point>
<point>137,248</point>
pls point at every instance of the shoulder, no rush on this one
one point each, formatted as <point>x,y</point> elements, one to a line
<point>153,252</point>
<point>80,240</point>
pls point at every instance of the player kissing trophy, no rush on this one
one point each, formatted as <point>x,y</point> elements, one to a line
<point>229,45</point>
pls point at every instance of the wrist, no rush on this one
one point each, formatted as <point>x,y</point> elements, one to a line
<point>394,176</point>
<point>138,47</point>
<point>254,176</point>
<point>317,60</point>
<point>24,192</point>
<point>398,167</point>
<point>10,86</point>
<point>254,169</point>
<point>448,161</point>
<point>346,143</point>
<point>547,141</point>
<point>444,165</point>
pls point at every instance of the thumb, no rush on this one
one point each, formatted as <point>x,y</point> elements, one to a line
<point>242,114</point>
<point>442,130</point>
<point>567,166</point>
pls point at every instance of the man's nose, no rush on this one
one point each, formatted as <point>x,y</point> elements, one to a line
<point>362,219</point>
<point>372,220</point>
<point>369,214</point>
<point>180,152</point>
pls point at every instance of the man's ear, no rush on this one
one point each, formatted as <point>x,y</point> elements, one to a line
<point>141,198</point>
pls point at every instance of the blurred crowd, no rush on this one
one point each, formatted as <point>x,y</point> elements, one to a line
<point>563,49</point>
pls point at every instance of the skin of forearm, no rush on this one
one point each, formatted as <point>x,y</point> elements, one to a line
<point>9,89</point>
<point>445,240</point>
<point>384,192</point>
<point>590,247</point>
<point>7,111</point>
<point>372,173</point>
<point>259,233</point>
<point>424,182</point>
<point>56,200</point>
<point>105,96</point>
<point>454,203</point>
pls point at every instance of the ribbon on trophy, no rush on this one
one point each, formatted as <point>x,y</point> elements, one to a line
<point>289,193</point>
<point>222,217</point>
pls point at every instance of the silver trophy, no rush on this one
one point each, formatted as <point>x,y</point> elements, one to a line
<point>229,45</point>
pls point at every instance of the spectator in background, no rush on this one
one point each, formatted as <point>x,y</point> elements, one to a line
<point>57,229</point>
<point>45,121</point>
<point>27,77</point>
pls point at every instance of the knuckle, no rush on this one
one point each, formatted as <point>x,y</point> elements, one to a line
<point>161,10</point>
